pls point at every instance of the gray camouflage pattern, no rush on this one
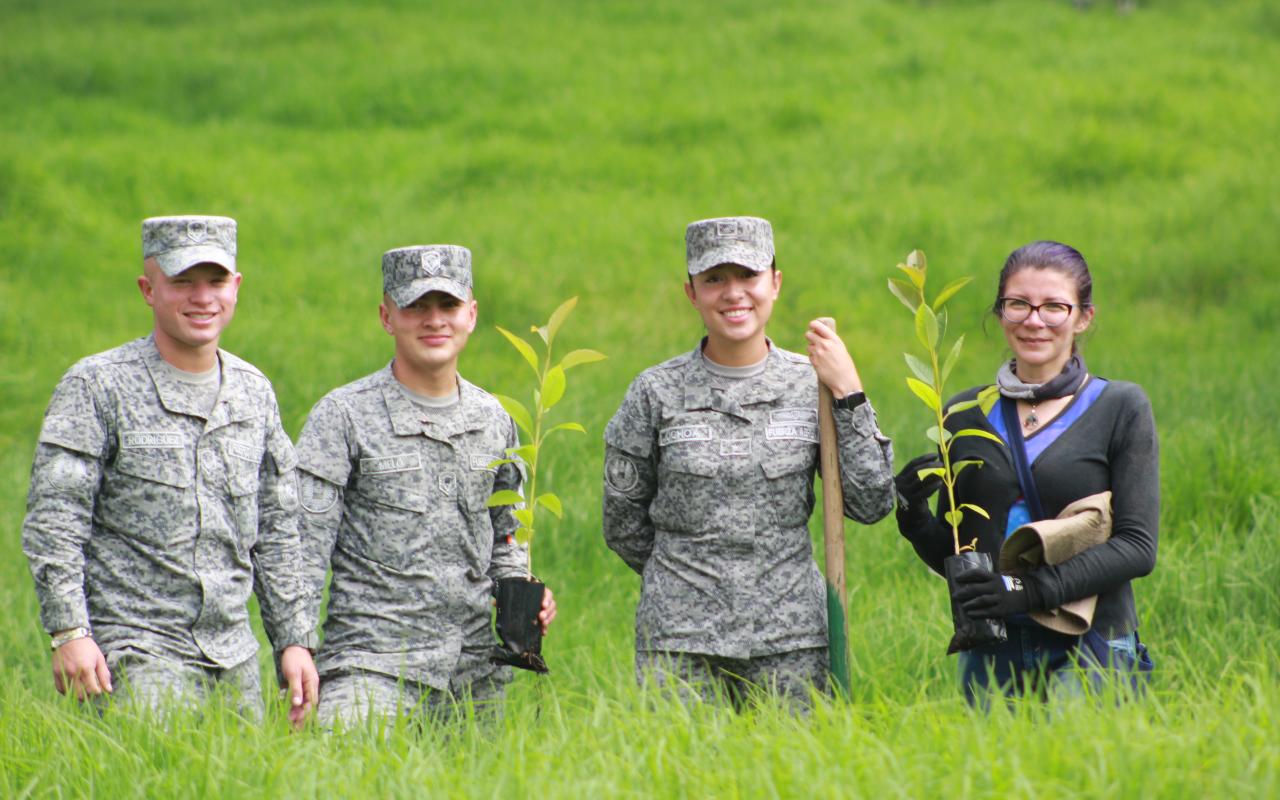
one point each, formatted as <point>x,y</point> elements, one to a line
<point>354,698</point>
<point>159,685</point>
<point>410,272</point>
<point>707,495</point>
<point>151,524</point>
<point>178,243</point>
<point>394,503</point>
<point>790,677</point>
<point>728,240</point>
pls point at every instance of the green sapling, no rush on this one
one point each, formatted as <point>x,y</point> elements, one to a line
<point>548,390</point>
<point>928,381</point>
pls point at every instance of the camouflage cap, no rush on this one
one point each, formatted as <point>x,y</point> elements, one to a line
<point>729,240</point>
<point>179,243</point>
<point>410,272</point>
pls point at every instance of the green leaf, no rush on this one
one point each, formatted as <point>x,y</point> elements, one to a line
<point>917,260</point>
<point>904,292</point>
<point>988,397</point>
<point>952,358</point>
<point>925,392</point>
<point>553,387</point>
<point>503,497</point>
<point>527,453</point>
<point>958,466</point>
<point>980,434</point>
<point>525,515</point>
<point>933,435</point>
<point>916,276</point>
<point>551,503</point>
<point>524,535</point>
<point>927,327</point>
<point>963,405</point>
<point>924,473</point>
<point>922,370</point>
<point>565,426</point>
<point>980,512</point>
<point>581,357</point>
<point>949,291</point>
<point>954,518</point>
<point>542,333</point>
<point>942,324</point>
<point>499,462</point>
<point>518,413</point>
<point>557,319</point>
<point>525,349</point>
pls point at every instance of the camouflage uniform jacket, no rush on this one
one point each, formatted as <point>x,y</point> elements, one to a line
<point>152,523</point>
<point>708,495</point>
<point>394,502</point>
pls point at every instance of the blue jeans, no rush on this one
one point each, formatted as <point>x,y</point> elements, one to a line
<point>1035,660</point>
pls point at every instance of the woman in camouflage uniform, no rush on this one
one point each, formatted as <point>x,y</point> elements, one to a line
<point>709,473</point>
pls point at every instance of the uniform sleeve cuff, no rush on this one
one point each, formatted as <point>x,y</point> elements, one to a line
<point>64,615</point>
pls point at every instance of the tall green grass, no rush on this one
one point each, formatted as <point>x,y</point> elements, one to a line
<point>568,143</point>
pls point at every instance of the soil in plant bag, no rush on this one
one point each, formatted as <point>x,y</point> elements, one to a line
<point>519,603</point>
<point>970,632</point>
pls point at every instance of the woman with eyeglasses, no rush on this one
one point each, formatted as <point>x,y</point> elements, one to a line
<point>1081,435</point>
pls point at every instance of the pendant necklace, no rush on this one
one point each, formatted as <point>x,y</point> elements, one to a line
<point>1031,421</point>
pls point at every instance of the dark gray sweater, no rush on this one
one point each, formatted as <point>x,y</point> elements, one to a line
<point>1111,446</point>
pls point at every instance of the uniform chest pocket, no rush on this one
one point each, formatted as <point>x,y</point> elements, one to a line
<point>788,470</point>
<point>171,466</point>
<point>399,491</point>
<point>687,488</point>
<point>241,461</point>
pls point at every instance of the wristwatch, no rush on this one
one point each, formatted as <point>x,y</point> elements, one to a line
<point>69,635</point>
<point>850,401</point>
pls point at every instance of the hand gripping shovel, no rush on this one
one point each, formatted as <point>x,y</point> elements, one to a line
<point>833,537</point>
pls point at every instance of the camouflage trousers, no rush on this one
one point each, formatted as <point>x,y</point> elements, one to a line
<point>352,697</point>
<point>159,684</point>
<point>789,677</point>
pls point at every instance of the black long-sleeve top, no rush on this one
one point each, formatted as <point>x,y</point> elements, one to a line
<point>1111,446</point>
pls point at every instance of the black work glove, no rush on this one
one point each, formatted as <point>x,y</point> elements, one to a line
<point>983,595</point>
<point>913,494</point>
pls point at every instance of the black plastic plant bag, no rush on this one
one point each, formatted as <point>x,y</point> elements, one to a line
<point>519,603</point>
<point>970,632</point>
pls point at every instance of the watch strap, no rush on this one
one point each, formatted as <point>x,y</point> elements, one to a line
<point>850,401</point>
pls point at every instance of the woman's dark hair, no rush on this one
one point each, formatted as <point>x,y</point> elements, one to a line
<point>1048,255</point>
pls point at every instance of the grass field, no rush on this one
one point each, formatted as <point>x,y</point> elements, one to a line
<point>568,143</point>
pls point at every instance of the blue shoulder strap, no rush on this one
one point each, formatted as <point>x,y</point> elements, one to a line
<point>1018,451</point>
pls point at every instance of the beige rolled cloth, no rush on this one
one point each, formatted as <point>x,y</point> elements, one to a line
<point>1081,525</point>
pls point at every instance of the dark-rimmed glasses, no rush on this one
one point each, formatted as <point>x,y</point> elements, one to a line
<point>1052,315</point>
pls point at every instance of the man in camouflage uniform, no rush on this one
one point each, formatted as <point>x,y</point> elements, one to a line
<point>395,474</point>
<point>709,468</point>
<point>163,492</point>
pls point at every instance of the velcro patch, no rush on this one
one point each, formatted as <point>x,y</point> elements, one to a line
<point>482,461</point>
<point>404,462</point>
<point>794,415</point>
<point>684,433</point>
<point>243,450</point>
<point>735,447</point>
<point>805,432</point>
<point>152,439</point>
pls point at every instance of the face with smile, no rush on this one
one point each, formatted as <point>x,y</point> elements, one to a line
<point>735,303</point>
<point>191,309</point>
<point>1042,351</point>
<point>430,332</point>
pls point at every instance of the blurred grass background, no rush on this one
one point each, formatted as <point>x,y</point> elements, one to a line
<point>567,144</point>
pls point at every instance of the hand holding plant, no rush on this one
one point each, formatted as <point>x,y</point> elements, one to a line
<point>520,600</point>
<point>928,382</point>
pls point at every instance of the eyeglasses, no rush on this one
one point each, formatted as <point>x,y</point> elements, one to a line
<point>1051,314</point>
